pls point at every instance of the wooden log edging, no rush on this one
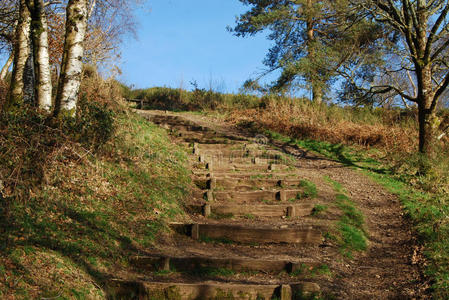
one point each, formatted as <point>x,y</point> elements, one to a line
<point>300,234</point>
<point>257,195</point>
<point>122,289</point>
<point>285,210</point>
<point>195,263</point>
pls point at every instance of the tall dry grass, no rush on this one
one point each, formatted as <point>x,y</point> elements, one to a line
<point>299,118</point>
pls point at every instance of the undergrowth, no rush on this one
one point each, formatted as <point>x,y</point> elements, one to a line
<point>78,197</point>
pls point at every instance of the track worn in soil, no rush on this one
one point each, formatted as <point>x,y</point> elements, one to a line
<point>257,230</point>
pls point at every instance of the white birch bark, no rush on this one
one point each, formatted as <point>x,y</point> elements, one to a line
<point>21,53</point>
<point>71,68</point>
<point>43,87</point>
<point>5,68</point>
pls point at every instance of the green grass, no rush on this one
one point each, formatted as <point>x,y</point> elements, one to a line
<point>309,190</point>
<point>212,272</point>
<point>309,272</point>
<point>207,239</point>
<point>319,209</point>
<point>428,211</point>
<point>93,212</point>
<point>351,234</point>
<point>249,216</point>
<point>338,187</point>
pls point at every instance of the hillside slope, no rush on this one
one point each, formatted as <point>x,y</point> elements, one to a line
<point>73,211</point>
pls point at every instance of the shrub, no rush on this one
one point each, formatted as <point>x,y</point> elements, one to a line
<point>93,125</point>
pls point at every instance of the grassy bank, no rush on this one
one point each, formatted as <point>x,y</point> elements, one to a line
<point>79,198</point>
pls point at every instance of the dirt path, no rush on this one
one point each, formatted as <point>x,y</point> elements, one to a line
<point>257,230</point>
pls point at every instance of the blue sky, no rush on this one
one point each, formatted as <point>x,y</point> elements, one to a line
<point>184,40</point>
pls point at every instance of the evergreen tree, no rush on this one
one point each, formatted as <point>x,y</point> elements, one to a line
<point>312,39</point>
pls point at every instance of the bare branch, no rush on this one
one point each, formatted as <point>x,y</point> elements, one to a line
<point>434,30</point>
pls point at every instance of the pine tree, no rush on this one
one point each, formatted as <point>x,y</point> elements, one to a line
<point>312,39</point>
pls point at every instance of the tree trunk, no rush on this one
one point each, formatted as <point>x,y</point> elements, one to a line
<point>71,68</point>
<point>428,125</point>
<point>39,31</point>
<point>29,96</point>
<point>317,93</point>
<point>317,90</point>
<point>21,54</point>
<point>5,68</point>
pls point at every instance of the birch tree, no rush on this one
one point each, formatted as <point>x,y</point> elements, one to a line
<point>21,54</point>
<point>39,34</point>
<point>6,67</point>
<point>8,22</point>
<point>72,64</point>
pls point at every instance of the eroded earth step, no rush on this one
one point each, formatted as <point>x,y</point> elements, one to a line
<point>298,234</point>
<point>119,289</point>
<point>192,264</point>
<point>298,210</point>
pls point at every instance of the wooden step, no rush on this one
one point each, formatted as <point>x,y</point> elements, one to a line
<point>299,234</point>
<point>297,210</point>
<point>197,134</point>
<point>274,154</point>
<point>252,196</point>
<point>222,160</point>
<point>242,145</point>
<point>119,289</point>
<point>168,120</point>
<point>244,184</point>
<point>269,174</point>
<point>206,135</point>
<point>211,141</point>
<point>193,128</point>
<point>240,167</point>
<point>191,264</point>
